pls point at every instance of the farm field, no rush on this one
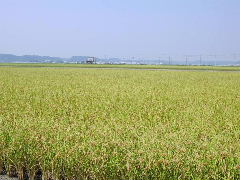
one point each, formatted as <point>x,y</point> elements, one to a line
<point>114,124</point>
<point>124,66</point>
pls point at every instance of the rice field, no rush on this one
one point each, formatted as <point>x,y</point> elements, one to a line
<point>108,124</point>
<point>125,66</point>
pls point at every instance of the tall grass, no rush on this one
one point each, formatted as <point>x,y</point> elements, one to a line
<point>120,124</point>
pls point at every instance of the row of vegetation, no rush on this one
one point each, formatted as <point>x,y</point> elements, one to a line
<point>119,124</point>
<point>128,66</point>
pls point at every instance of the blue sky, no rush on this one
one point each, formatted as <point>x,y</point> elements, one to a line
<point>142,28</point>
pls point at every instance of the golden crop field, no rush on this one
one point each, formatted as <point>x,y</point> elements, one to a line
<point>125,66</point>
<point>119,124</point>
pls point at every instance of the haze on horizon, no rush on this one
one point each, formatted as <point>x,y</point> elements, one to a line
<point>143,28</point>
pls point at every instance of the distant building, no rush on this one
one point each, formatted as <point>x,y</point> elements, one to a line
<point>91,60</point>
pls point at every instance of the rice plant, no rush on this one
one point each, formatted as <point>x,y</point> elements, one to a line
<point>119,124</point>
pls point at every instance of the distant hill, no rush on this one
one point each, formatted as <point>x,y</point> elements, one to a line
<point>10,58</point>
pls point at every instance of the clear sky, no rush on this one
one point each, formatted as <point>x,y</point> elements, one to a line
<point>143,28</point>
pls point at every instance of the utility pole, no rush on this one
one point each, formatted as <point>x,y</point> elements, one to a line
<point>186,60</point>
<point>169,60</point>
<point>200,60</point>
<point>214,56</point>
